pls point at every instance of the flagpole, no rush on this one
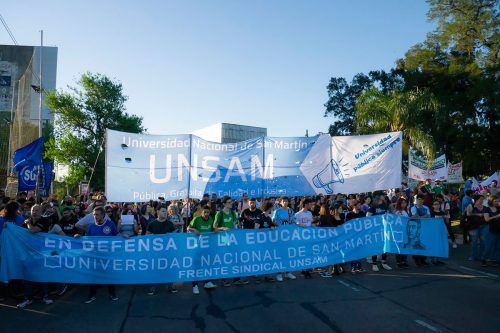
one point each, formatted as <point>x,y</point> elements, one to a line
<point>10,163</point>
<point>38,178</point>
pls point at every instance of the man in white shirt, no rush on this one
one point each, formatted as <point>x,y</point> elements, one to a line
<point>304,218</point>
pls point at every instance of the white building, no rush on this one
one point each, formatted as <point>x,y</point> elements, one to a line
<point>229,133</point>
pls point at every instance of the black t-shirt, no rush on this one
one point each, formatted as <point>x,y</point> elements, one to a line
<point>68,226</point>
<point>338,222</point>
<point>352,215</point>
<point>316,210</point>
<point>474,221</point>
<point>494,225</point>
<point>378,210</point>
<point>437,214</point>
<point>249,218</point>
<point>325,221</point>
<point>264,221</point>
<point>41,223</point>
<point>158,227</point>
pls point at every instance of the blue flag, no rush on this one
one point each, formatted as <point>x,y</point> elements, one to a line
<point>46,178</point>
<point>29,155</point>
<point>28,174</point>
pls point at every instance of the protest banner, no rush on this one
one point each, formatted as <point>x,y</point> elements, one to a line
<point>455,173</point>
<point>478,187</point>
<point>187,257</point>
<point>144,167</point>
<point>419,169</point>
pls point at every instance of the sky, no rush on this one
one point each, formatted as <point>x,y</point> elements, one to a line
<point>187,64</point>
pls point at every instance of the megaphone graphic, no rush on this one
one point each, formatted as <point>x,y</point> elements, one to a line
<point>328,176</point>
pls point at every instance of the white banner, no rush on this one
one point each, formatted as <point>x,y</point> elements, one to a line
<point>485,184</point>
<point>368,162</point>
<point>455,173</point>
<point>143,167</point>
<point>418,167</point>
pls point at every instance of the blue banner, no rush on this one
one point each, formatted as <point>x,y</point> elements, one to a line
<point>187,257</point>
<point>28,174</point>
<point>143,167</point>
<point>29,155</point>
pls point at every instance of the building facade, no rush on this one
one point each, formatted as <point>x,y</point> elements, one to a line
<point>19,97</point>
<point>229,133</point>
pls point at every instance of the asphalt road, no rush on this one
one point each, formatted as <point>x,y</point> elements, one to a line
<point>459,297</point>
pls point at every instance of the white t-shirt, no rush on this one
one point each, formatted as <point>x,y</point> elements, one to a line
<point>88,219</point>
<point>304,218</point>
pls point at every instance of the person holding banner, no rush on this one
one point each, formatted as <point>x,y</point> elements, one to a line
<point>401,209</point>
<point>494,188</point>
<point>264,221</point>
<point>419,211</point>
<point>249,215</point>
<point>101,227</point>
<point>282,216</point>
<point>225,220</point>
<point>202,224</point>
<point>83,224</point>
<point>36,223</point>
<point>379,208</point>
<point>305,219</point>
<point>355,213</point>
<point>10,214</point>
<point>162,225</point>
<point>437,212</point>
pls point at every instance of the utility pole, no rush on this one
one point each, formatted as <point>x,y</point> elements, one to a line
<point>11,124</point>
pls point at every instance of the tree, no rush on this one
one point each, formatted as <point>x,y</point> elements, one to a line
<point>459,63</point>
<point>82,115</point>
<point>342,97</point>
<point>378,111</point>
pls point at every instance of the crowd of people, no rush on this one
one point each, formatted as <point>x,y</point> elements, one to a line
<point>93,215</point>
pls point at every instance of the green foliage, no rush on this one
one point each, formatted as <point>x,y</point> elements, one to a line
<point>457,64</point>
<point>393,111</point>
<point>82,115</point>
<point>342,97</point>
